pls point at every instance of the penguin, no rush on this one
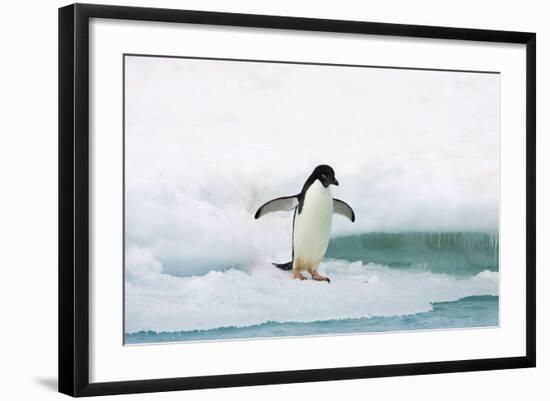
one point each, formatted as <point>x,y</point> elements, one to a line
<point>313,209</point>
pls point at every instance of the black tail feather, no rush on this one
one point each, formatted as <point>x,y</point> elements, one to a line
<point>283,266</point>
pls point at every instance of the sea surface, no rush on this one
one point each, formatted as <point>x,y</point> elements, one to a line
<point>380,282</point>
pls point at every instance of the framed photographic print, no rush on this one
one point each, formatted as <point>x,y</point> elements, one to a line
<point>251,199</point>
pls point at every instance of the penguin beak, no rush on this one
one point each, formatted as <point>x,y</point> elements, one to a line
<point>336,182</point>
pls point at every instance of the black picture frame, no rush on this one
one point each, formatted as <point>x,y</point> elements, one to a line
<point>74,198</point>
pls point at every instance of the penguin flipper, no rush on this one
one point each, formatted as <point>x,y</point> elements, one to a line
<point>342,208</point>
<point>285,203</point>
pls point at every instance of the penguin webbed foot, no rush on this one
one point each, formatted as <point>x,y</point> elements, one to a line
<point>298,275</point>
<point>317,277</point>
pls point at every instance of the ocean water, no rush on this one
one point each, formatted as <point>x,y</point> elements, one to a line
<point>379,282</point>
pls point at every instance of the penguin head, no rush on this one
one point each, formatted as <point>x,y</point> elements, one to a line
<point>325,174</point>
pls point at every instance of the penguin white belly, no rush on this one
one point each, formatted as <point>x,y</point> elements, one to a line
<point>312,228</point>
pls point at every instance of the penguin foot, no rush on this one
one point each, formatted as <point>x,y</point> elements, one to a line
<point>298,275</point>
<point>317,277</point>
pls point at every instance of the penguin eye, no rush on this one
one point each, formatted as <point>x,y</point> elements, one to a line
<point>323,176</point>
